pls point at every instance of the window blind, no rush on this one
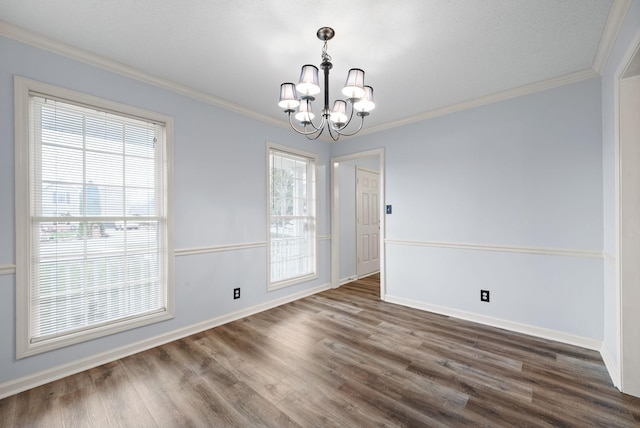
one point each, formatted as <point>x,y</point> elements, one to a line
<point>98,203</point>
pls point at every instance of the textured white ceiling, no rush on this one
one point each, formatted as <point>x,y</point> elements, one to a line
<point>419,55</point>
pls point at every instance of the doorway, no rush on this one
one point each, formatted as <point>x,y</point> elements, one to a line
<point>343,201</point>
<point>629,223</point>
<point>367,222</point>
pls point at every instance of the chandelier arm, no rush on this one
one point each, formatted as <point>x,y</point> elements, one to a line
<point>313,125</point>
<point>316,136</point>
<point>354,132</point>
<point>310,122</point>
<point>315,129</point>
<point>348,121</point>
<point>322,123</point>
<point>320,127</point>
<point>331,129</point>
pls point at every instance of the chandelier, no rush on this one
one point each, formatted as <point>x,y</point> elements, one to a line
<point>358,96</point>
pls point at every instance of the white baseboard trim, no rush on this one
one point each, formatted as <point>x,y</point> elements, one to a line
<point>24,383</point>
<point>354,278</point>
<point>531,330</point>
<point>369,274</point>
<point>7,269</point>
<point>347,280</point>
<point>611,365</point>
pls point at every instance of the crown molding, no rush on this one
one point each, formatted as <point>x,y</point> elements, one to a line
<point>532,88</point>
<point>616,17</point>
<point>42,42</point>
<point>614,22</point>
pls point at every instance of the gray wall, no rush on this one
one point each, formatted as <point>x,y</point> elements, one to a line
<point>220,199</point>
<point>525,174</point>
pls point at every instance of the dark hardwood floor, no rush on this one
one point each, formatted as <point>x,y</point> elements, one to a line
<point>339,358</point>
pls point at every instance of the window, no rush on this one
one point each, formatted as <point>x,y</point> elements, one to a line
<point>292,216</point>
<point>86,165</point>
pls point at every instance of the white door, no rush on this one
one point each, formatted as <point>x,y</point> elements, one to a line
<point>368,222</point>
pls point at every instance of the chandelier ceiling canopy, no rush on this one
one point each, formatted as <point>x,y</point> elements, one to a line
<point>358,98</point>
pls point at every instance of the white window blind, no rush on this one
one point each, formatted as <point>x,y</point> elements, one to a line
<point>292,210</point>
<point>97,238</point>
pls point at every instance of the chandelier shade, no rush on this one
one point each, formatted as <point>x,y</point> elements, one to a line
<point>288,96</point>
<point>366,103</point>
<point>339,113</point>
<point>308,84</point>
<point>304,114</point>
<point>358,102</point>
<point>354,86</point>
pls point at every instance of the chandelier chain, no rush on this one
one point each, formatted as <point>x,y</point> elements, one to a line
<point>325,56</point>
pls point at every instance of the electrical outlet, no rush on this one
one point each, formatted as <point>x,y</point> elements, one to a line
<point>484,295</point>
<point>236,293</point>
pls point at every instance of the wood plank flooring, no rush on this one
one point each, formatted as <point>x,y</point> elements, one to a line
<point>339,358</point>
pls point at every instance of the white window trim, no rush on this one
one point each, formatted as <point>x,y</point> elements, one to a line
<point>22,88</point>
<point>300,279</point>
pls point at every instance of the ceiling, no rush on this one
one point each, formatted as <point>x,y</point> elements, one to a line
<point>422,57</point>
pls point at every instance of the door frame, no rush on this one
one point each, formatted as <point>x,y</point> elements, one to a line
<point>621,288</point>
<point>335,215</point>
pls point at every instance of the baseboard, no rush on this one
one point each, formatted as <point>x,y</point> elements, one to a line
<point>531,330</point>
<point>611,365</point>
<point>369,274</point>
<point>352,278</point>
<point>347,280</point>
<point>24,383</point>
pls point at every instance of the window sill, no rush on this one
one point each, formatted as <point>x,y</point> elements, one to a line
<point>272,286</point>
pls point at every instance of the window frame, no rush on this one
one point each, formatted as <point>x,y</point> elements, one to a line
<point>23,88</point>
<point>313,169</point>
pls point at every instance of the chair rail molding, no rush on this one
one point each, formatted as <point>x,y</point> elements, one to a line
<point>7,269</point>
<point>218,248</point>
<point>501,248</point>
